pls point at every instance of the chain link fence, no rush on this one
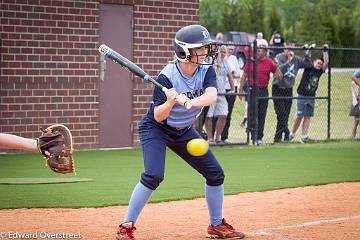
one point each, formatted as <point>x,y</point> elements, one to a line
<point>333,99</point>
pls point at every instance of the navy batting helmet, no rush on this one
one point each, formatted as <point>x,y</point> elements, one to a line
<point>194,36</point>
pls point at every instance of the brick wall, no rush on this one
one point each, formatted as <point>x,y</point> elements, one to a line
<point>49,61</point>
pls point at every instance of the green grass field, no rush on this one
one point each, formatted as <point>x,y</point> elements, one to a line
<point>340,124</point>
<point>116,172</point>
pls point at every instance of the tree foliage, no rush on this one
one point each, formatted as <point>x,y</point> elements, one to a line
<point>320,21</point>
<point>274,21</point>
<point>211,15</point>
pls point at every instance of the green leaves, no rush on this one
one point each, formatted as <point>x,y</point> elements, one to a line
<point>327,21</point>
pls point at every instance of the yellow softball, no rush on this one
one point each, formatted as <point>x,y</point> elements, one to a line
<point>197,147</point>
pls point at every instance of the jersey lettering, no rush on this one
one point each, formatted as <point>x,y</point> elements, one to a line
<point>196,93</point>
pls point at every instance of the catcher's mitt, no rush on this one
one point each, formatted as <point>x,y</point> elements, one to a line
<point>55,144</point>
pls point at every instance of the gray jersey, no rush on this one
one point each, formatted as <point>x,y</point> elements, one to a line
<point>289,70</point>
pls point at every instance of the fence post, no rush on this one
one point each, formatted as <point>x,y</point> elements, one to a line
<point>329,98</point>
<point>254,133</point>
<point>248,95</point>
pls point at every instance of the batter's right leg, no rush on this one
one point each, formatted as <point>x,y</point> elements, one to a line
<point>154,150</point>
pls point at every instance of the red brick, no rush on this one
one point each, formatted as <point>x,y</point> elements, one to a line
<point>54,36</point>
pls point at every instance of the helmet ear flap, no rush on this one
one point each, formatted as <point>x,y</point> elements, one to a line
<point>179,51</point>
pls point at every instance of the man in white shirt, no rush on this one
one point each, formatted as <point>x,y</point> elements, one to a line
<point>235,72</point>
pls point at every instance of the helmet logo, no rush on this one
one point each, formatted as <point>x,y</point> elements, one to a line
<point>206,34</point>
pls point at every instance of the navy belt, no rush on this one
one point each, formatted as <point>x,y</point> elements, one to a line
<point>178,128</point>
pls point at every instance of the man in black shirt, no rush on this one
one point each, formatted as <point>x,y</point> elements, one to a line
<point>277,40</point>
<point>306,92</point>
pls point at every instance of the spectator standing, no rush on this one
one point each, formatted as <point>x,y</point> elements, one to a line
<point>265,66</point>
<point>289,65</point>
<point>235,75</point>
<point>355,106</point>
<point>219,37</point>
<point>277,40</point>
<point>246,89</point>
<point>306,92</point>
<point>260,36</point>
<point>220,108</point>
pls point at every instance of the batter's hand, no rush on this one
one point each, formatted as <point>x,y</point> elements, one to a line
<point>182,99</point>
<point>171,95</point>
<point>188,104</point>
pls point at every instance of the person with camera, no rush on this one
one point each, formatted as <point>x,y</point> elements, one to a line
<point>276,40</point>
<point>289,65</point>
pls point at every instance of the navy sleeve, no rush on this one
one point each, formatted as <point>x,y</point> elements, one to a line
<point>210,78</point>
<point>159,96</point>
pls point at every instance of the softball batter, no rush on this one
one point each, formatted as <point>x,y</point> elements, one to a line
<point>191,83</point>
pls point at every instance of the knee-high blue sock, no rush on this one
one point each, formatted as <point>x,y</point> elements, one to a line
<point>214,198</point>
<point>138,200</point>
